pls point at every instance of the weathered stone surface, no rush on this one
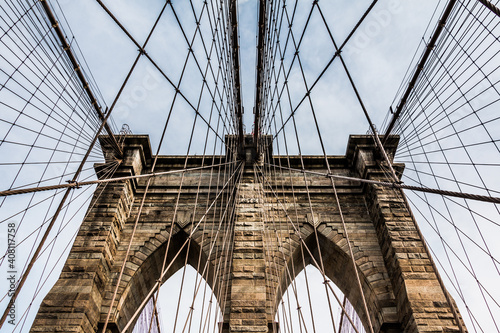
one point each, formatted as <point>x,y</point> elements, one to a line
<point>263,250</point>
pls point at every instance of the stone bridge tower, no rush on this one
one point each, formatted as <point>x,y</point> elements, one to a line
<point>397,276</point>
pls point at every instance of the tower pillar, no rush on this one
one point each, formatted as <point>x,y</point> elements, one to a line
<point>421,301</point>
<point>249,307</point>
<point>75,302</point>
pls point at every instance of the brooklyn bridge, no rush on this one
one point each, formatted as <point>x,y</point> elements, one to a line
<point>250,166</point>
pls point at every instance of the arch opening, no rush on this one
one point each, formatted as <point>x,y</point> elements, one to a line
<point>340,275</point>
<point>186,303</point>
<point>181,261</point>
<point>307,305</point>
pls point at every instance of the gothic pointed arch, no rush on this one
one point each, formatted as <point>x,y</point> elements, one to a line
<point>148,272</point>
<point>331,253</point>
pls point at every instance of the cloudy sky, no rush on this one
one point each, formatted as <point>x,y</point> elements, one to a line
<point>378,57</point>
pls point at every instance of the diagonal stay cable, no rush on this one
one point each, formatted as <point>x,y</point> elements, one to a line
<point>52,244</point>
<point>142,51</point>
<point>280,247</point>
<point>459,230</point>
<point>375,135</point>
<point>351,255</point>
<point>149,180</point>
<point>238,170</point>
<point>457,256</point>
<point>192,54</point>
<point>79,72</point>
<point>302,241</point>
<point>51,224</point>
<point>327,66</point>
<point>225,244</point>
<point>422,62</point>
<point>130,244</point>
